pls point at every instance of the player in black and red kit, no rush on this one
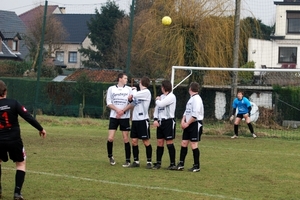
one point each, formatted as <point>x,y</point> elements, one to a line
<point>10,137</point>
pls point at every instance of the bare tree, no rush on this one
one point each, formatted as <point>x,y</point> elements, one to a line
<point>54,35</point>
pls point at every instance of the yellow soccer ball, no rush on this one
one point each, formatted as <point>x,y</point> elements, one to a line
<point>166,20</point>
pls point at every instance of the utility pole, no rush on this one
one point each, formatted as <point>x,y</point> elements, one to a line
<point>236,49</point>
<point>40,60</point>
<point>128,61</point>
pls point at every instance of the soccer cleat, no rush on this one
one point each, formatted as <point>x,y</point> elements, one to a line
<point>172,167</point>
<point>156,166</point>
<point>180,166</point>
<point>126,164</point>
<point>18,197</point>
<point>149,165</point>
<point>254,135</point>
<point>234,136</point>
<point>112,161</point>
<point>134,164</point>
<point>194,169</point>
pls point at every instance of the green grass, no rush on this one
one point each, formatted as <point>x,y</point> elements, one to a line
<point>71,163</point>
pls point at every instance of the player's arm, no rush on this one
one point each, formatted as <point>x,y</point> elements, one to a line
<point>169,99</point>
<point>30,119</point>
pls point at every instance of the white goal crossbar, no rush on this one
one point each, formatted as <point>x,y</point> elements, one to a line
<point>224,69</point>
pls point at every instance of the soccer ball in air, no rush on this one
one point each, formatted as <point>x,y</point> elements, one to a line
<point>166,20</point>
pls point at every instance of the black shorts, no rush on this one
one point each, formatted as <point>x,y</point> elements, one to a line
<point>123,123</point>
<point>193,132</point>
<point>140,129</point>
<point>166,130</point>
<point>240,115</point>
<point>15,151</point>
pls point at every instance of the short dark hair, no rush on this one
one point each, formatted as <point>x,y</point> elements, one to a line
<point>3,88</point>
<point>120,75</point>
<point>167,85</point>
<point>145,81</point>
<point>240,91</point>
<point>195,87</point>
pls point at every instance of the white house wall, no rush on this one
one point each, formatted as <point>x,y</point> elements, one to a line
<point>281,27</point>
<point>260,51</point>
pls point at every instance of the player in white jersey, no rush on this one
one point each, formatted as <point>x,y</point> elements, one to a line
<point>164,114</point>
<point>140,122</point>
<point>191,123</point>
<point>118,101</point>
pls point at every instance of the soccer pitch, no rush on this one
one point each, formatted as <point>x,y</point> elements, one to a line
<point>72,163</point>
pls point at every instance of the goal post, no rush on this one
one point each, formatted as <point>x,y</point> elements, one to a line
<point>276,92</point>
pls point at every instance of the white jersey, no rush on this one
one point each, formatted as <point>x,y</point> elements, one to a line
<point>165,107</point>
<point>141,102</point>
<point>118,96</point>
<point>194,108</point>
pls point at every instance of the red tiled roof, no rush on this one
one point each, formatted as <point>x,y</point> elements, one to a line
<point>95,75</point>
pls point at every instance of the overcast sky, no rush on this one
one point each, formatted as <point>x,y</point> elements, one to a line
<point>261,9</point>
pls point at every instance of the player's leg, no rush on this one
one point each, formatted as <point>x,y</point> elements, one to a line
<point>112,128</point>
<point>170,136</point>
<point>18,155</point>
<point>236,125</point>
<point>0,180</point>
<point>196,132</point>
<point>248,121</point>
<point>19,179</point>
<point>125,128</point>
<point>145,136</point>
<point>159,147</point>
<point>134,143</point>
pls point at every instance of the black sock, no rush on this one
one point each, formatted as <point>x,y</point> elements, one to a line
<point>196,155</point>
<point>236,129</point>
<point>127,151</point>
<point>149,153</point>
<point>172,153</point>
<point>183,152</point>
<point>135,152</point>
<point>19,180</point>
<point>0,178</point>
<point>159,154</point>
<point>109,148</point>
<point>250,128</point>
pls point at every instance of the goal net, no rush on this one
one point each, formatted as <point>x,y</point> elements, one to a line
<point>274,93</point>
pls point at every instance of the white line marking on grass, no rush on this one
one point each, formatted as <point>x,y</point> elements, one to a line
<point>128,185</point>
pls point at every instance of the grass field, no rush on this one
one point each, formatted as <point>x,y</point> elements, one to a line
<point>71,163</point>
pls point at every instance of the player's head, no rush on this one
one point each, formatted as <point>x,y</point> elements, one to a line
<point>240,94</point>
<point>166,85</point>
<point>194,87</point>
<point>3,89</point>
<point>122,79</point>
<point>145,81</point>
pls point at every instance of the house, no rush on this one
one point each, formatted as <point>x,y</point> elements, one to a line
<point>77,32</point>
<point>282,50</point>
<point>12,30</point>
<point>77,37</point>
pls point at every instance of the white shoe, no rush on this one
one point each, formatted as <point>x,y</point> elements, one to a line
<point>234,136</point>
<point>254,135</point>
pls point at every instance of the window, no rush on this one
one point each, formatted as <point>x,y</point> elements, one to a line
<point>287,55</point>
<point>293,20</point>
<point>15,45</point>
<point>72,57</point>
<point>59,56</point>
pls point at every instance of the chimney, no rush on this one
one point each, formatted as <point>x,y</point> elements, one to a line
<point>62,10</point>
